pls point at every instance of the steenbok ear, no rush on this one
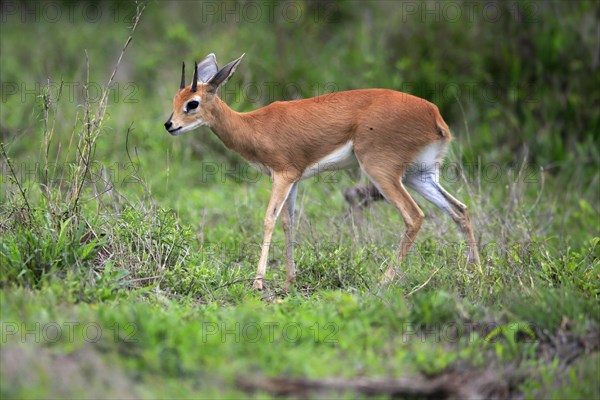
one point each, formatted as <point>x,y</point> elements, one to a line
<point>207,68</point>
<point>223,75</point>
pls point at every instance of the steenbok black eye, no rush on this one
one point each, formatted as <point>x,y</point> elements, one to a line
<point>192,105</point>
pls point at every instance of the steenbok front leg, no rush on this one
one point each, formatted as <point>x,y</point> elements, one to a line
<point>281,189</point>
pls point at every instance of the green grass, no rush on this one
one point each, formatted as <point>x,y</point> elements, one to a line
<point>139,248</point>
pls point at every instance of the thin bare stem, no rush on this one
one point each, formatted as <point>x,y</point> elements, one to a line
<point>87,144</point>
<point>14,176</point>
<point>102,108</point>
<point>421,286</point>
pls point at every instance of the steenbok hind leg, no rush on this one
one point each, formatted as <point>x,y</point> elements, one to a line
<point>460,215</point>
<point>393,190</point>
<point>427,185</point>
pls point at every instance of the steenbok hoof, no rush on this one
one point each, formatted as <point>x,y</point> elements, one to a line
<point>388,277</point>
<point>472,257</point>
<point>258,284</point>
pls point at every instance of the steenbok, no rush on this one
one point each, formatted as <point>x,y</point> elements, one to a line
<point>396,139</point>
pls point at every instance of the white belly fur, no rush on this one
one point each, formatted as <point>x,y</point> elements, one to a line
<point>341,158</point>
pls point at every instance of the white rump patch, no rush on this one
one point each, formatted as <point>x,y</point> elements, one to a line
<point>423,175</point>
<point>430,158</point>
<point>341,158</point>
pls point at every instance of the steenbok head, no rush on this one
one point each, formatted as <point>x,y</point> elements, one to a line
<point>192,105</point>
